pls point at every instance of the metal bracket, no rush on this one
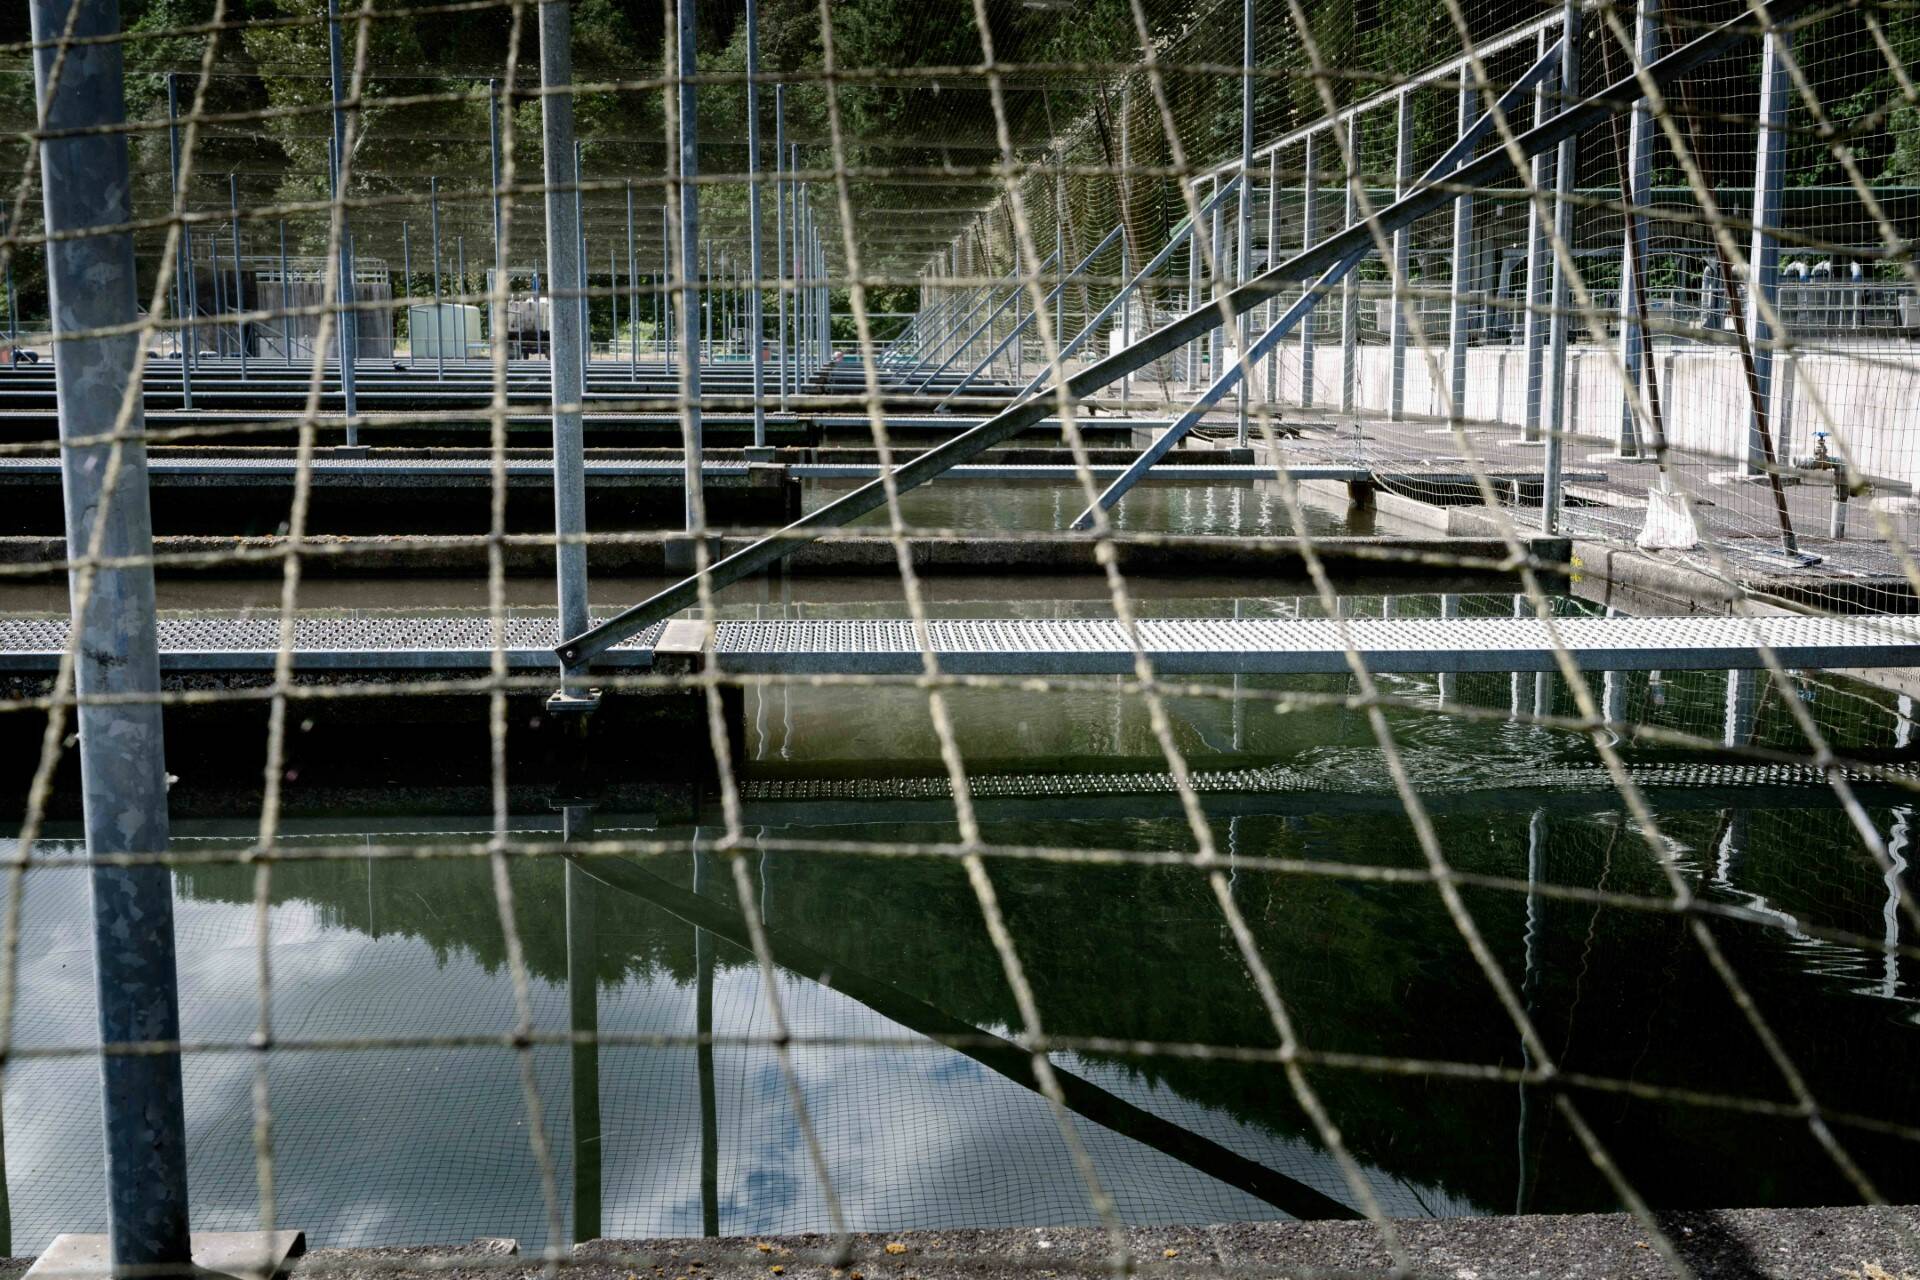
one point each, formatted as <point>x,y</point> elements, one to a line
<point>573,702</point>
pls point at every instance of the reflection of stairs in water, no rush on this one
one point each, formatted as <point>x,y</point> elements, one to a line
<point>1283,780</point>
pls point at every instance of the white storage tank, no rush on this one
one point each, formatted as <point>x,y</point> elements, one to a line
<point>445,330</point>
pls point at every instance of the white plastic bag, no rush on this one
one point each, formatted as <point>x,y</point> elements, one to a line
<point>1669,525</point>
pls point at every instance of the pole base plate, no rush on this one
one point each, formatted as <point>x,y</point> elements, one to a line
<point>242,1255</point>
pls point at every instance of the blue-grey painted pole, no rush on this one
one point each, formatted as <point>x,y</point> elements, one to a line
<point>1634,346</point>
<point>92,284</point>
<point>1559,411</point>
<point>182,263</point>
<point>794,259</point>
<point>1402,295</point>
<point>1460,318</point>
<point>780,229</point>
<point>348,321</point>
<point>239,280</point>
<point>1216,275</point>
<point>1533,324</point>
<point>1243,242</point>
<point>756,318</point>
<point>439,320</point>
<point>1349,287</point>
<point>613,300</point>
<point>1763,257</point>
<point>1268,311</point>
<point>663,300</point>
<point>1309,198</point>
<point>563,273</point>
<point>707,297</point>
<point>406,285</point>
<point>633,296</point>
<point>687,32</point>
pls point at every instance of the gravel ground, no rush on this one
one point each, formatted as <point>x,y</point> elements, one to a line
<point>1791,1244</point>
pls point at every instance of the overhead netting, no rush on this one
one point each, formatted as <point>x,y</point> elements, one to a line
<point>1470,771</point>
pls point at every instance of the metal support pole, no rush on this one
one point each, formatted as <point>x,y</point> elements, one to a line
<point>633,297</point>
<point>706,306</point>
<point>780,228</point>
<point>1243,224</point>
<point>239,280</point>
<point>182,263</point>
<point>1635,348</point>
<point>689,168</point>
<point>349,329</point>
<point>1272,391</point>
<point>1763,258</point>
<point>460,290</point>
<point>1349,287</point>
<point>563,273</point>
<point>439,322</point>
<point>406,286</point>
<point>1559,415</point>
<point>1539,265</point>
<point>1460,322</point>
<point>583,1021</point>
<point>1403,297</point>
<point>286,317</point>
<point>613,299</point>
<point>92,284</point>
<point>1309,199</point>
<point>581,305</point>
<point>493,162</point>
<point>1060,257</point>
<point>663,299</point>
<point>756,320</point>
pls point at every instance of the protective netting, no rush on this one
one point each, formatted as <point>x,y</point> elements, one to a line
<point>1494,719</point>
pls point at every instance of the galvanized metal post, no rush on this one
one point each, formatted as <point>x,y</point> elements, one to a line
<point>583,1022</point>
<point>1272,307</point>
<point>706,306</point>
<point>780,229</point>
<point>182,263</point>
<point>1763,257</point>
<point>1403,296</point>
<point>439,322</point>
<point>406,285</point>
<point>1243,258</point>
<point>563,273</point>
<point>756,320</point>
<point>92,284</point>
<point>460,290</point>
<point>1216,277</point>
<point>662,299</point>
<point>1539,266</point>
<point>580,225</point>
<point>633,297</point>
<point>493,169</point>
<point>286,318</point>
<point>1350,287</point>
<point>239,280</point>
<point>1460,321</point>
<point>1060,251</point>
<point>689,169</point>
<point>349,328</point>
<point>613,299</point>
<point>1635,348</point>
<point>1559,416</point>
<point>1309,199</point>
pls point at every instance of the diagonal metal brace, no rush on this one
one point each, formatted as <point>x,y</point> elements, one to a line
<point>1021,328</point>
<point>1596,108</point>
<point>967,342</point>
<point>1229,377</point>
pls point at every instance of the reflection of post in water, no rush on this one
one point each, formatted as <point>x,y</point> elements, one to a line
<point>1529,989</point>
<point>583,1004</point>
<point>703,1053</point>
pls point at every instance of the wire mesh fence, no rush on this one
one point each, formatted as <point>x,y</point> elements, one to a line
<point>794,908</point>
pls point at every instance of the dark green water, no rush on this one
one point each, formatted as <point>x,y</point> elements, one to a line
<point>389,1144</point>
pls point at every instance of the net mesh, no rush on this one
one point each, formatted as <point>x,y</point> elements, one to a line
<point>1488,332</point>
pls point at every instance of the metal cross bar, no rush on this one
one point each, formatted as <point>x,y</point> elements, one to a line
<point>1055,296</point>
<point>1496,165</point>
<point>1179,237</point>
<point>1464,146</point>
<point>967,344</point>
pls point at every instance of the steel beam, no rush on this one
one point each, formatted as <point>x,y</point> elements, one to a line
<point>1635,349</point>
<point>756,319</point>
<point>1401,295</point>
<point>1560,411</point>
<point>1765,442</point>
<point>348,319</point>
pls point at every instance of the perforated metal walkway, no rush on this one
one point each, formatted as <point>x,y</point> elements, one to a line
<point>1221,646</point>
<point>1026,646</point>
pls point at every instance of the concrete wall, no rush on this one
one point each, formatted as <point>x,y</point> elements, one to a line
<point>1870,399</point>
